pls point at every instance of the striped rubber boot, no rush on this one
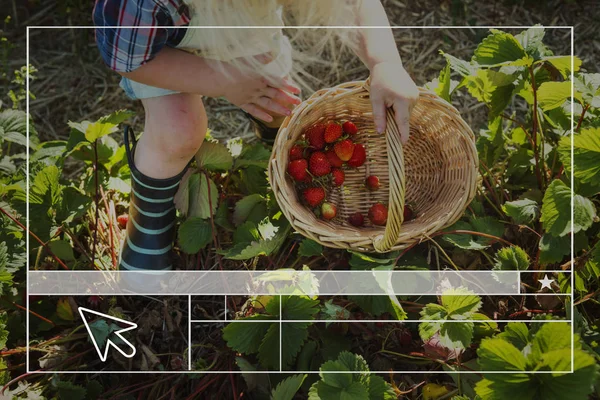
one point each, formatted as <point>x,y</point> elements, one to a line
<point>151,226</point>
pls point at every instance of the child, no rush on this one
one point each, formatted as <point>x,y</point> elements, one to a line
<point>170,68</point>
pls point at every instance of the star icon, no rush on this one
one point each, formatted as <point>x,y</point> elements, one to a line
<point>546,282</point>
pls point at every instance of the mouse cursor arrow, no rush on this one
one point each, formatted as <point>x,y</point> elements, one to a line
<point>103,353</point>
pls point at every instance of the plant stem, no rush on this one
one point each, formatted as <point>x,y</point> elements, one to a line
<point>44,245</point>
<point>95,240</point>
<point>585,108</point>
<point>534,131</point>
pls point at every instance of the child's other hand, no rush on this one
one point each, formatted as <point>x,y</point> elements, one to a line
<point>391,86</point>
<point>261,97</point>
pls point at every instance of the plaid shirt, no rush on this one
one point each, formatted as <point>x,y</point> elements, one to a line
<point>125,49</point>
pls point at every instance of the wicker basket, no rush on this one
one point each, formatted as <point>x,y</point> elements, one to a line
<point>435,172</point>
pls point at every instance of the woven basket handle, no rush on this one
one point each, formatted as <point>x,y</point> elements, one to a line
<point>383,243</point>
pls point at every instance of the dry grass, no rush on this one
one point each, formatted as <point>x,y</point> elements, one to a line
<point>73,83</point>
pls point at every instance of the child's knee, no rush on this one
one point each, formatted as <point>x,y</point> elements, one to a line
<point>178,124</point>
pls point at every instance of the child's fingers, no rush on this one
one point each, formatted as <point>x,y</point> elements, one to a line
<point>257,112</point>
<point>271,105</point>
<point>402,118</point>
<point>281,96</point>
<point>284,84</point>
<point>379,111</point>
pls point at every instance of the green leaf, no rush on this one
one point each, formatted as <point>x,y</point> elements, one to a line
<point>68,391</point>
<point>244,207</point>
<point>531,40</point>
<point>500,355</point>
<point>268,352</point>
<point>586,149</point>
<point>511,258</point>
<point>552,95</point>
<point>460,303</point>
<point>506,386</point>
<point>556,210</point>
<point>194,234</point>
<point>3,330</point>
<point>96,130</point>
<point>563,64</point>
<point>272,237</point>
<point>293,336</point>
<point>101,330</point>
<point>499,47</point>
<point>493,88</point>
<point>443,89</point>
<point>523,211</point>
<point>464,68</point>
<point>295,307</point>
<point>336,379</point>
<point>309,248</point>
<point>486,225</point>
<point>577,385</point>
<point>287,388</point>
<point>587,87</point>
<point>551,336</point>
<point>379,389</point>
<point>456,335</point>
<point>117,117</point>
<point>246,337</point>
<point>201,204</point>
<point>13,127</point>
<point>516,333</point>
<point>553,249</point>
<point>214,156</point>
<point>62,249</point>
<point>356,391</point>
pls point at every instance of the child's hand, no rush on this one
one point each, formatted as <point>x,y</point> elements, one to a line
<point>391,86</point>
<point>261,97</point>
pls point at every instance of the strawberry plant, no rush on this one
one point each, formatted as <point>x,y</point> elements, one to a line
<point>534,166</point>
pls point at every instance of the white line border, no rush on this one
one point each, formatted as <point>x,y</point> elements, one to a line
<point>27,358</point>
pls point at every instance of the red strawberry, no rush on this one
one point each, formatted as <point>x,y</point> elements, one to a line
<point>349,128</point>
<point>122,220</point>
<point>296,152</point>
<point>372,182</point>
<point>344,149</point>
<point>318,164</point>
<point>408,213</point>
<point>333,159</point>
<point>378,214</point>
<point>315,136</point>
<point>356,219</point>
<point>332,132</point>
<point>314,195</point>
<point>328,211</point>
<point>359,156</point>
<point>297,169</point>
<point>338,176</point>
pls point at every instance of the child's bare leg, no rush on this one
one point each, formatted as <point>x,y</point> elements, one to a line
<point>174,130</point>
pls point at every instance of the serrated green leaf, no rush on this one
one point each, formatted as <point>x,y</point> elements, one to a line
<point>293,336</point>
<point>117,117</point>
<point>563,64</point>
<point>379,389</point>
<point>506,386</point>
<point>586,150</point>
<point>511,258</point>
<point>96,130</point>
<point>335,379</point>
<point>499,47</point>
<point>62,249</point>
<point>456,335</point>
<point>309,248</point>
<point>202,205</point>
<point>491,87</point>
<point>577,385</point>
<point>552,95</point>
<point>488,225</point>
<point>13,127</point>
<point>464,68</point>
<point>531,39</point>
<point>356,391</point>
<point>246,337</point>
<point>244,207</point>
<point>516,333</point>
<point>101,330</point>
<point>460,303</point>
<point>500,355</point>
<point>287,388</point>
<point>194,234</point>
<point>524,211</point>
<point>551,336</point>
<point>556,210</point>
<point>553,249</point>
<point>214,157</point>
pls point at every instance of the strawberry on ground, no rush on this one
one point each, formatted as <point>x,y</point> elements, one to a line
<point>349,128</point>
<point>315,136</point>
<point>338,176</point>
<point>356,219</point>
<point>333,159</point>
<point>313,196</point>
<point>318,164</point>
<point>122,220</point>
<point>372,182</point>
<point>378,214</point>
<point>297,169</point>
<point>359,156</point>
<point>333,132</point>
<point>328,211</point>
<point>344,149</point>
<point>296,152</point>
